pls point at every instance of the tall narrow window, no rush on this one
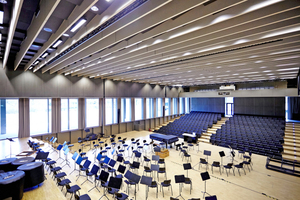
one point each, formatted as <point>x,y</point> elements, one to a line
<point>125,110</point>
<point>175,106</point>
<point>187,105</point>
<point>181,108</point>
<point>69,114</point>
<point>40,116</point>
<point>167,106</point>
<point>138,108</point>
<point>92,112</point>
<point>159,112</point>
<point>149,108</point>
<point>111,111</point>
<point>9,118</point>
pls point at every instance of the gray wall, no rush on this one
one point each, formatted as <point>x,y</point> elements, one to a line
<point>216,105</point>
<point>269,106</point>
<point>129,89</point>
<point>29,84</point>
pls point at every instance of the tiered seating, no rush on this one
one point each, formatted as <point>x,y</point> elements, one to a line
<point>260,135</point>
<point>196,122</point>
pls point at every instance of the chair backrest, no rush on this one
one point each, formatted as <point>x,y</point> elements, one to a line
<point>86,164</point>
<point>171,198</point>
<point>216,163</point>
<point>75,156</point>
<point>167,182</point>
<point>229,164</point>
<point>162,169</point>
<point>146,168</point>
<point>95,170</point>
<point>99,156</point>
<point>79,160</point>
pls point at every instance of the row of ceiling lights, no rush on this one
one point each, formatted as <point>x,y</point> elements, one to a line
<point>76,26</point>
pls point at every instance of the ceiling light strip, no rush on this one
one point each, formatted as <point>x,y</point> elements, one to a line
<point>13,23</point>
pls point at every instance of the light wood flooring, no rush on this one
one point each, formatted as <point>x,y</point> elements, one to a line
<point>258,184</point>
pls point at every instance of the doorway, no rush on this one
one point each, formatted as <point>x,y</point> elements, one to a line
<point>229,107</point>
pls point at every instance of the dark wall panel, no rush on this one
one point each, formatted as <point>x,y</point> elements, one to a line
<point>266,106</point>
<point>216,105</point>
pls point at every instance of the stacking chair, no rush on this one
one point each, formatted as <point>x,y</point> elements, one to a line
<point>82,197</point>
<point>93,172</point>
<point>146,159</point>
<point>228,167</point>
<point>161,161</point>
<point>188,181</point>
<point>72,190</point>
<point>161,171</point>
<point>84,167</point>
<point>215,164</point>
<point>248,163</point>
<point>166,183</point>
<point>194,199</point>
<point>211,198</point>
<point>203,161</point>
<point>82,154</point>
<point>172,198</point>
<point>63,182</point>
<point>147,170</point>
<point>187,156</point>
<point>239,166</point>
<point>154,185</point>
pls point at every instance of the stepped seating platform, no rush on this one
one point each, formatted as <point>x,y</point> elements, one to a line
<point>260,135</point>
<point>195,122</point>
<point>291,167</point>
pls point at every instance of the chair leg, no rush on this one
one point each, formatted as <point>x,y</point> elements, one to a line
<point>171,190</point>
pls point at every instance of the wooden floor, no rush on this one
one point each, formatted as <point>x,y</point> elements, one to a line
<point>258,184</point>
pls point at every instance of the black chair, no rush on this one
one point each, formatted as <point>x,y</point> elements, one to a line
<point>147,160</point>
<point>188,181</point>
<point>161,161</point>
<point>172,198</point>
<point>239,166</point>
<point>248,163</point>
<point>215,164</point>
<point>162,170</point>
<point>82,197</point>
<point>72,190</point>
<point>194,199</point>
<point>203,161</point>
<point>187,156</point>
<point>228,167</point>
<point>84,168</point>
<point>93,172</point>
<point>154,185</point>
<point>63,182</point>
<point>166,183</point>
<point>147,170</point>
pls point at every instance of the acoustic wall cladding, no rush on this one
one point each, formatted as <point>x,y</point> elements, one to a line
<point>268,106</point>
<point>216,105</point>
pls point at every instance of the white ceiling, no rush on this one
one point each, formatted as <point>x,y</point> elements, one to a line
<point>180,42</point>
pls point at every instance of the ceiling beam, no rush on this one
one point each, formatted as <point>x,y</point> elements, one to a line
<point>47,7</point>
<point>76,14</point>
<point>13,23</point>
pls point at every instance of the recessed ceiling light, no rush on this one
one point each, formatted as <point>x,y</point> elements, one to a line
<point>65,34</point>
<point>108,0</point>
<point>36,62</point>
<point>3,1</point>
<point>1,17</point>
<point>44,55</point>
<point>57,43</point>
<point>48,30</point>
<point>287,69</point>
<point>94,8</point>
<point>78,25</point>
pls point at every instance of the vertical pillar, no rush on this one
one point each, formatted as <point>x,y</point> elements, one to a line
<point>3,116</point>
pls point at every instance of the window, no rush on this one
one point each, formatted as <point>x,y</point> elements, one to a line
<point>92,112</point>
<point>167,106</point>
<point>111,113</point>
<point>138,108</point>
<point>187,105</point>
<point>40,116</point>
<point>149,108</point>
<point>159,107</point>
<point>9,118</point>
<point>175,110</point>
<point>69,114</point>
<point>126,110</point>
<point>181,108</point>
